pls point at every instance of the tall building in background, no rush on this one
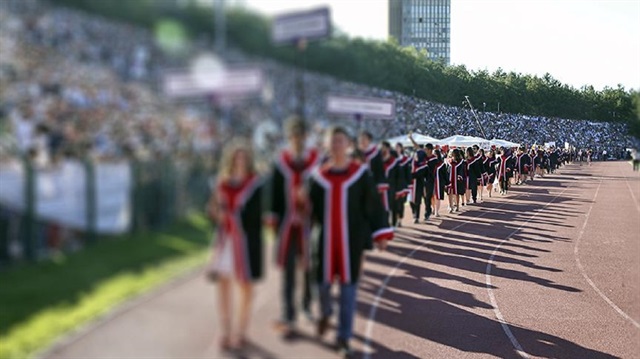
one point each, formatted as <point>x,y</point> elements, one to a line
<point>423,24</point>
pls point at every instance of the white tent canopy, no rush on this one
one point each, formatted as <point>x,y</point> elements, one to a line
<point>419,138</point>
<point>464,141</point>
<point>503,143</point>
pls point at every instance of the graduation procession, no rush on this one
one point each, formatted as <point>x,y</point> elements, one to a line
<point>332,201</point>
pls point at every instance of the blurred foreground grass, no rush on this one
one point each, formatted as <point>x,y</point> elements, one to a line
<point>40,302</point>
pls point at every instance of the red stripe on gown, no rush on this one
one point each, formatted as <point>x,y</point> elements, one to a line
<point>233,227</point>
<point>338,255</point>
<point>453,178</point>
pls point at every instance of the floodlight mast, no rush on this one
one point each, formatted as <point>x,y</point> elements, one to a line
<point>475,116</point>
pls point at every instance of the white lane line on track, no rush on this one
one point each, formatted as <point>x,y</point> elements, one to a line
<point>584,273</point>
<point>635,201</point>
<point>380,292</point>
<point>492,298</point>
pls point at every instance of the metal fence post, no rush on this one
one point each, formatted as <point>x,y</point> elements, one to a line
<point>29,218</point>
<point>136,194</point>
<point>167,192</point>
<point>91,208</point>
<point>4,235</point>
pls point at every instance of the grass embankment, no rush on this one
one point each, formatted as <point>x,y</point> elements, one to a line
<point>40,302</point>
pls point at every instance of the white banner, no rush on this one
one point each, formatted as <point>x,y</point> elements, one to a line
<point>364,106</point>
<point>310,25</point>
<point>61,194</point>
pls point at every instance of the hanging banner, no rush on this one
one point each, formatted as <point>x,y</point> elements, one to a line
<point>308,25</point>
<point>61,194</point>
<point>378,108</point>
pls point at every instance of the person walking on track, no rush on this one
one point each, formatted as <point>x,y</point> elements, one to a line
<point>236,209</point>
<point>347,207</point>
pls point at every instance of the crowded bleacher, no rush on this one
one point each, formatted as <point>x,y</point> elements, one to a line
<point>74,85</point>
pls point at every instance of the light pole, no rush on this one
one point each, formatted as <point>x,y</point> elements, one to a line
<point>220,21</point>
<point>301,46</point>
<point>498,107</point>
<point>475,116</point>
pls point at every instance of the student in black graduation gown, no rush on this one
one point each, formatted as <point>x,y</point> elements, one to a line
<point>290,209</point>
<point>521,165</point>
<point>405,179</point>
<point>545,162</point>
<point>419,169</point>
<point>373,159</point>
<point>533,155</point>
<point>429,180</point>
<point>236,209</point>
<point>482,180</point>
<point>440,182</point>
<point>491,163</point>
<point>503,170</point>
<point>553,160</point>
<point>456,174</point>
<point>392,174</point>
<point>346,206</point>
<point>539,163</point>
<point>473,171</point>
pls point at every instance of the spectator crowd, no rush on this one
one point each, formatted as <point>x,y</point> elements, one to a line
<point>76,86</point>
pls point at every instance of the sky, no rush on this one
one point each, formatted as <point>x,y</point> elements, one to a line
<point>588,42</point>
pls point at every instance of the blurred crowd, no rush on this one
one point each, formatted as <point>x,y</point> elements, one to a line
<point>75,84</point>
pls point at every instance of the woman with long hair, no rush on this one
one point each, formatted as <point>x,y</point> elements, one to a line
<point>440,182</point>
<point>504,169</point>
<point>456,174</point>
<point>235,207</point>
<point>482,180</point>
<point>491,162</point>
<point>473,170</point>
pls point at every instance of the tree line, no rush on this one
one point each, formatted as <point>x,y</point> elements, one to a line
<point>385,64</point>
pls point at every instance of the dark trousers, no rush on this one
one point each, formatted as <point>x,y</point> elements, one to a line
<point>504,183</point>
<point>427,199</point>
<point>289,283</point>
<point>473,186</point>
<point>415,206</point>
<point>347,307</point>
<point>397,209</point>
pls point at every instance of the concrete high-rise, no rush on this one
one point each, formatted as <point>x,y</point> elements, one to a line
<point>423,24</point>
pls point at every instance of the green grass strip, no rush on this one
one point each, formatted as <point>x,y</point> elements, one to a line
<point>41,302</point>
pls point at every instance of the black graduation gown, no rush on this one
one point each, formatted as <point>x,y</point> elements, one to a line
<point>491,169</point>
<point>522,163</point>
<point>375,163</point>
<point>474,171</point>
<point>553,159</point>
<point>392,173</point>
<point>456,171</point>
<point>535,160</point>
<point>404,176</point>
<point>484,166</point>
<point>241,206</point>
<point>441,180</point>
<point>419,168</point>
<point>287,178</point>
<point>432,162</point>
<point>504,168</point>
<point>346,206</point>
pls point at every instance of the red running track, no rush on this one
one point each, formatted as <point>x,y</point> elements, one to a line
<point>551,270</point>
